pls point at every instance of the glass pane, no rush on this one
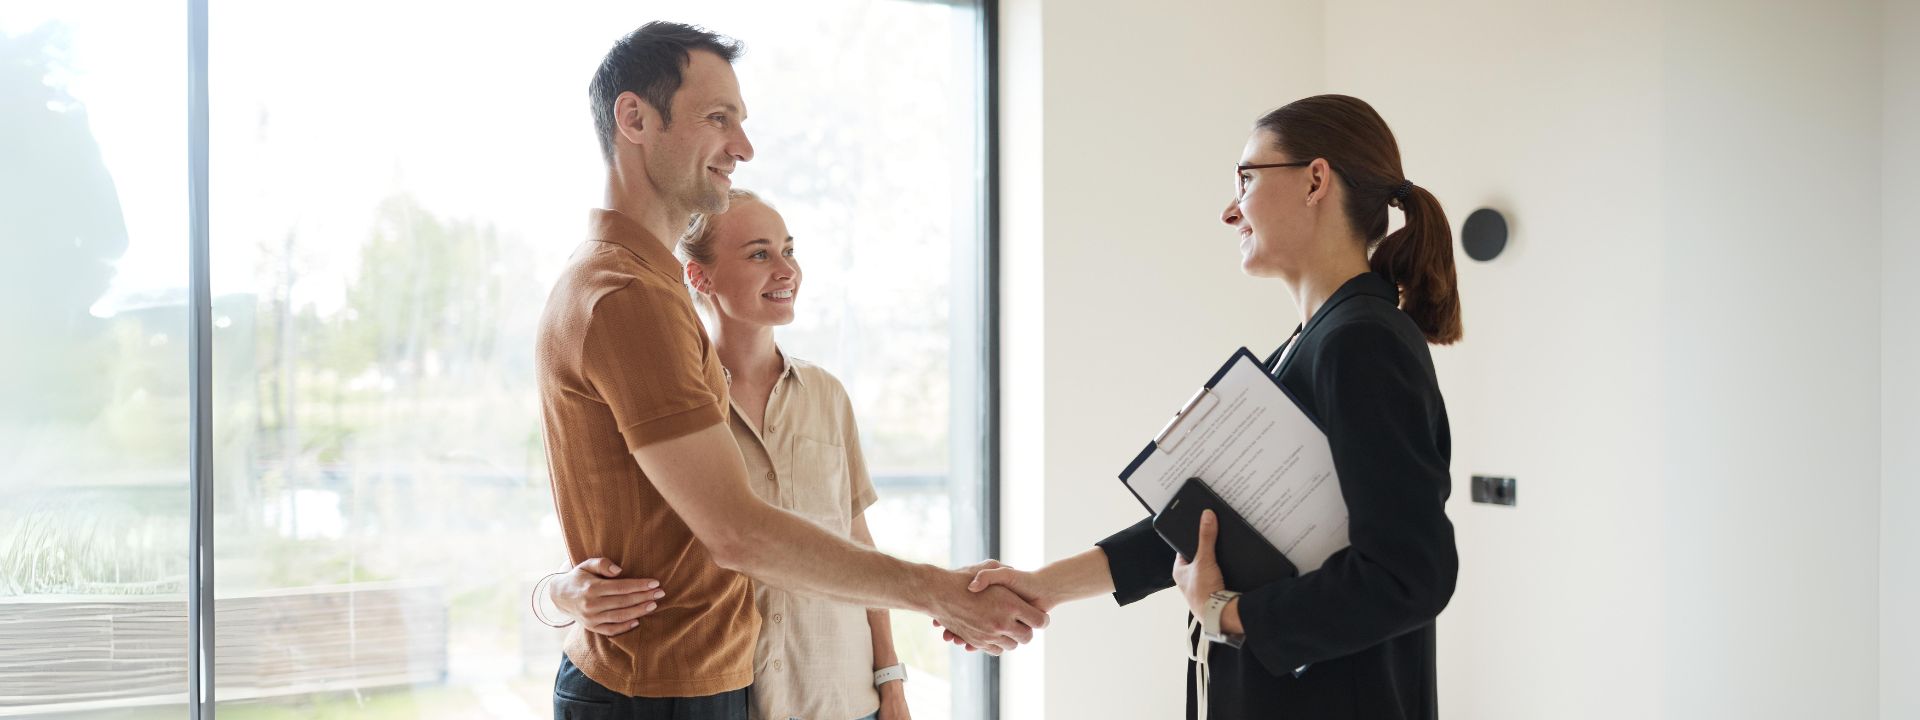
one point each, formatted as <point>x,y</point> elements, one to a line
<point>93,392</point>
<point>395,188</point>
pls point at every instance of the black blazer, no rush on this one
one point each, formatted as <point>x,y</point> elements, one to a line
<point>1363,622</point>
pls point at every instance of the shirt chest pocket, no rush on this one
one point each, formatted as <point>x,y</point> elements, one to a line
<point>820,485</point>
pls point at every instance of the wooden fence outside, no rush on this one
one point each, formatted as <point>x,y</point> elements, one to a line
<point>62,654</point>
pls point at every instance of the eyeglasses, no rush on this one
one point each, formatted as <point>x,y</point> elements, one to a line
<point>1240,175</point>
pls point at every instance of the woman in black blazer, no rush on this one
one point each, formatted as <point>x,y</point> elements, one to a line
<point>1355,638</point>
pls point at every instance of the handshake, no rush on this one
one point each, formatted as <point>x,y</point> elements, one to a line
<point>988,606</point>
<point>1013,602</point>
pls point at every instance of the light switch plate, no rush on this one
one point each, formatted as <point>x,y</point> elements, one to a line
<point>1494,490</point>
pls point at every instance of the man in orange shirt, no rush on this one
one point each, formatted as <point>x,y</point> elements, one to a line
<point>634,403</point>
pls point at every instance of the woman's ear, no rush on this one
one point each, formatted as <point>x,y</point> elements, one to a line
<point>1320,181</point>
<point>697,277</point>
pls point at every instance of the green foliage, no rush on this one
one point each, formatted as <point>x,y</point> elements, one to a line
<point>428,296</point>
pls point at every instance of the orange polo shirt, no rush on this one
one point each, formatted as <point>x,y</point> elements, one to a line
<point>623,362</point>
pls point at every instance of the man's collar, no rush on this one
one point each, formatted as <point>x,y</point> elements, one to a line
<point>613,226</point>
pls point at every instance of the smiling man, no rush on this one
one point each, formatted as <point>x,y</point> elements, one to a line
<point>634,403</point>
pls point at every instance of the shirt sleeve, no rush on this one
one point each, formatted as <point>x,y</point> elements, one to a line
<point>646,357</point>
<point>1385,426</point>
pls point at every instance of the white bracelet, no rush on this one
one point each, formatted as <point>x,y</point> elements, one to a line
<point>1210,615</point>
<point>889,674</point>
<point>533,602</point>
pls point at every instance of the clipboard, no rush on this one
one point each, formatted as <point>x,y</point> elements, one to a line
<point>1253,444</point>
<point>1203,402</point>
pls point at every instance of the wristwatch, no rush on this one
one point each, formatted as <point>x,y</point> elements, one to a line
<point>889,674</point>
<point>1210,615</point>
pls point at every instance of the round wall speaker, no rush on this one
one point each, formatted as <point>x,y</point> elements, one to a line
<point>1485,234</point>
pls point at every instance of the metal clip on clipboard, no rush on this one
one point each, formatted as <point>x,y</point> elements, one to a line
<point>1179,427</point>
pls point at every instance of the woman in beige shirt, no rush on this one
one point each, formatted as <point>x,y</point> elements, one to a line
<point>815,658</point>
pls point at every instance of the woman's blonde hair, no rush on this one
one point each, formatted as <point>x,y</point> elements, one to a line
<point>696,243</point>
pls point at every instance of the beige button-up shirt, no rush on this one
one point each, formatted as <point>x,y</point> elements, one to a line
<point>814,658</point>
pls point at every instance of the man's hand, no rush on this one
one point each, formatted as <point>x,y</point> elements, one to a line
<point>995,619</point>
<point>1200,578</point>
<point>893,701</point>
<point>987,564</point>
<point>1030,586</point>
<point>1079,576</point>
<point>594,594</point>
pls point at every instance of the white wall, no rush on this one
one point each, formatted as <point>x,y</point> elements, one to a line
<point>1121,124</point>
<point>1679,356</point>
<point>1900,358</point>
<point>1550,112</point>
<point>1679,359</point>
<point>1770,363</point>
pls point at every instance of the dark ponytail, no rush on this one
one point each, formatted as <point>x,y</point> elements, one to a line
<point>1417,258</point>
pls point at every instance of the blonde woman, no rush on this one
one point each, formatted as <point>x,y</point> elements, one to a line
<point>815,658</point>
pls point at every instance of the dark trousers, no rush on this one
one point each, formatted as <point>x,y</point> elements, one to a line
<point>578,697</point>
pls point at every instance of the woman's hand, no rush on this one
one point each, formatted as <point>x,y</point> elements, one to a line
<point>594,594</point>
<point>893,701</point>
<point>1200,579</point>
<point>1072,578</point>
<point>1030,586</point>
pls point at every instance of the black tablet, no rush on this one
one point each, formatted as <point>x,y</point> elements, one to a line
<point>1247,560</point>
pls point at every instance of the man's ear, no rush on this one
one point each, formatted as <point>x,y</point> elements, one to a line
<point>633,118</point>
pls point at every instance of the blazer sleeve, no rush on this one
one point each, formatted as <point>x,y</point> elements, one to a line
<point>1385,423</point>
<point>1141,563</point>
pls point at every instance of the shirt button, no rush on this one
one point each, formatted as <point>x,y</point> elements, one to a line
<point>776,664</point>
<point>776,617</point>
<point>769,476</point>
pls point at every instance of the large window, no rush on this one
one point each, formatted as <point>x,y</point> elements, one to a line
<point>93,385</point>
<point>394,188</point>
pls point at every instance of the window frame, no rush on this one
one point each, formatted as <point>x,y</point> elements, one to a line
<point>200,599</point>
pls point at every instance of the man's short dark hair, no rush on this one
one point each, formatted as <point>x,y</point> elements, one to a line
<point>648,62</point>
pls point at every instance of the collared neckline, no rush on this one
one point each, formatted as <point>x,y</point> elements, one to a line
<point>613,226</point>
<point>1366,283</point>
<point>789,368</point>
